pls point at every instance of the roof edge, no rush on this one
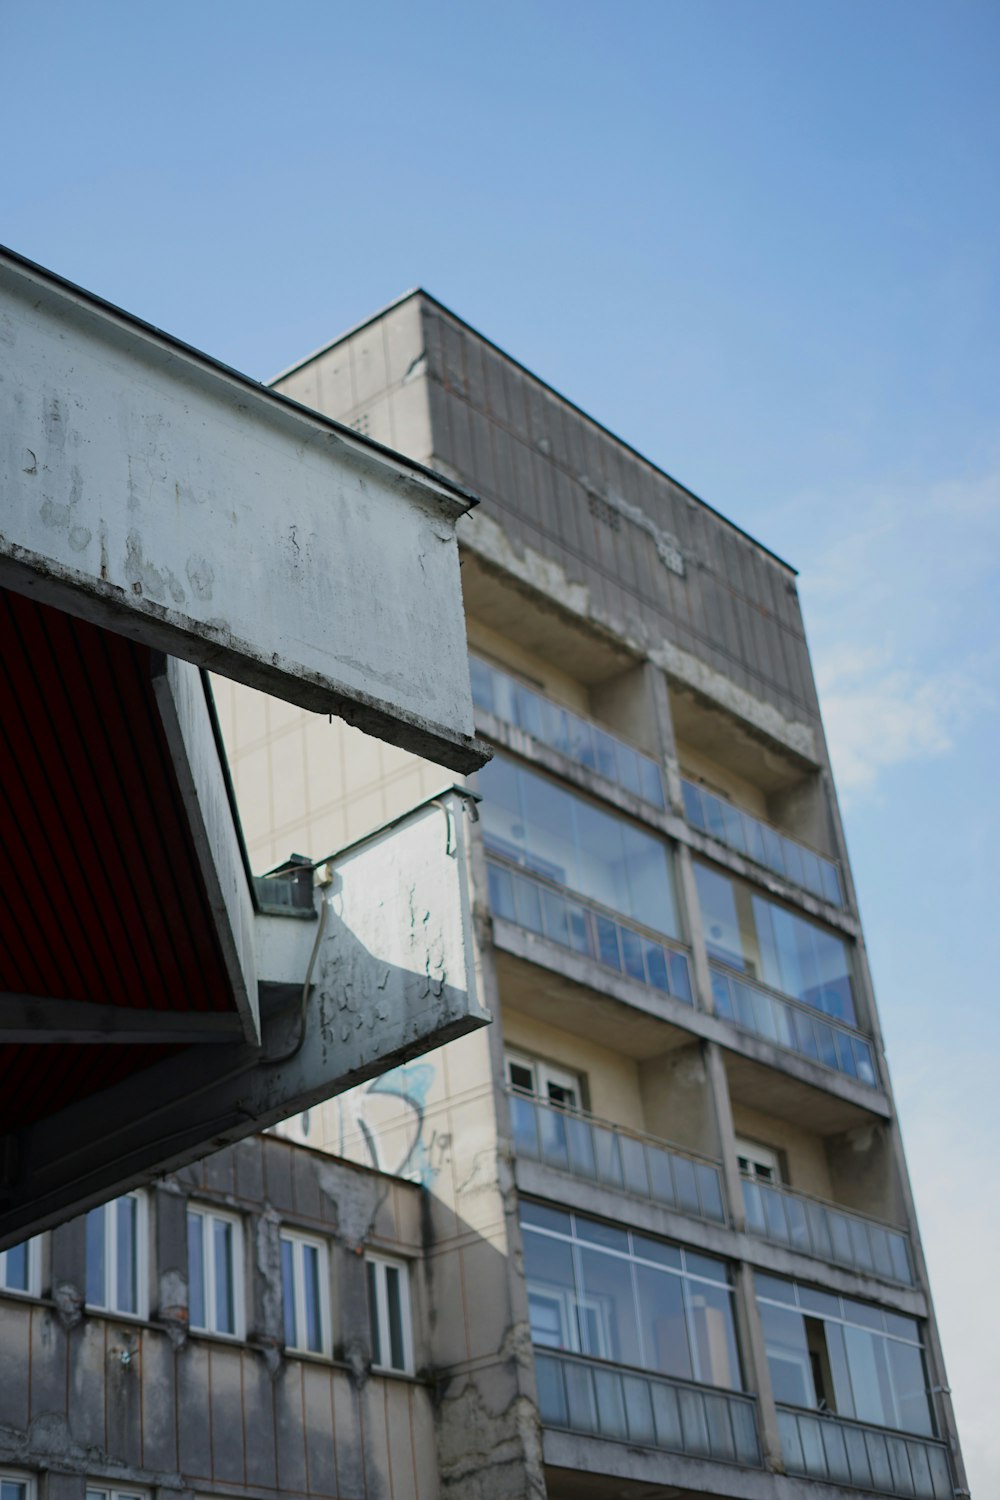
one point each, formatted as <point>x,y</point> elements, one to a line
<point>419,291</point>
<point>468,498</point>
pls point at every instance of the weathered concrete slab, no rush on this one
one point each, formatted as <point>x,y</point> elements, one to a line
<point>150,489</point>
<point>389,975</point>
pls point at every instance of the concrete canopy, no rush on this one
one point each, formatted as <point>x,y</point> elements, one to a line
<point>154,502</point>
<point>149,488</point>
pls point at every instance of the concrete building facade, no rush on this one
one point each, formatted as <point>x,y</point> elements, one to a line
<point>649,1234</point>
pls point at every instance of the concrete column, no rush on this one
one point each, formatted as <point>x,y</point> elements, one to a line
<point>718,1086</point>
<point>168,1206</point>
<point>696,934</point>
<point>69,1270</point>
<point>751,1336</point>
<point>56,1486</point>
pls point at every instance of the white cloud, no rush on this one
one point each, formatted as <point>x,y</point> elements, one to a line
<point>897,584</point>
<point>878,714</point>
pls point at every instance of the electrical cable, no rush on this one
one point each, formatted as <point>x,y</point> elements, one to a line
<point>324,882</point>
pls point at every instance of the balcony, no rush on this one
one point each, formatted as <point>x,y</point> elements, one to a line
<point>653,1411</point>
<point>830,1448</point>
<point>792,1026</point>
<point>562,730</point>
<point>764,845</point>
<point>607,1154</point>
<point>585,928</point>
<point>832,1234</point>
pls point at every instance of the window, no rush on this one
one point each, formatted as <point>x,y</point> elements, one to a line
<point>835,1354</point>
<point>95,1492</point>
<point>215,1272</point>
<point>529,1075</point>
<point>603,1291</point>
<point>14,1486</point>
<point>117,1266</point>
<point>768,942</point>
<point>20,1268</point>
<point>389,1314</point>
<point>538,824</point>
<point>760,1163</point>
<point>305,1284</point>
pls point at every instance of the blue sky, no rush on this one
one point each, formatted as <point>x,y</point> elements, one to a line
<point>760,241</point>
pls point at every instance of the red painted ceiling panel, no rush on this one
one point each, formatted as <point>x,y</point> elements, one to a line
<point>102,896</point>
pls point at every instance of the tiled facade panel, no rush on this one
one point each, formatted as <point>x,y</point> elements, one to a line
<point>544,470</point>
<point>147,1404</point>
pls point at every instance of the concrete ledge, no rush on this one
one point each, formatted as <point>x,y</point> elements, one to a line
<point>585,973</point>
<point>536,1180</point>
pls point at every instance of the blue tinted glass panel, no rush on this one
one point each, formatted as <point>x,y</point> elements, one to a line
<point>16,1268</point>
<point>501,892</point>
<point>864,1062</point>
<point>288,1292</point>
<point>628,768</point>
<point>222,1252</point>
<point>722,997</point>
<point>693,810</point>
<point>126,1212</point>
<point>831,883</point>
<point>632,954</point>
<point>373,1328</point>
<point>528,905</point>
<point>605,751</point>
<point>579,933</point>
<point>314,1327</point>
<point>652,781</point>
<point>96,1257</point>
<point>607,942</point>
<point>717,899</point>
<point>481,679</point>
<point>196,1271</point>
<point>554,918</point>
<point>680,978</point>
<point>656,966</point>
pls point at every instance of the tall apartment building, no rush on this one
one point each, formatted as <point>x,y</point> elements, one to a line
<point>648,1235</point>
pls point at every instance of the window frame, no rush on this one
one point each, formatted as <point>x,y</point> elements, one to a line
<point>116,1492</point>
<point>299,1242</point>
<point>756,1155</point>
<point>21,1476</point>
<point>381,1264</point>
<point>34,1287</point>
<point>209,1214</point>
<point>542,1074</point>
<point>107,1306</point>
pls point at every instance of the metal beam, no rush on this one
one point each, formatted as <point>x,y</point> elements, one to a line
<point>39,1020</point>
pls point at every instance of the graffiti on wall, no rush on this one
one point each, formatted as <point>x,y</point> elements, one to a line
<point>397,1140</point>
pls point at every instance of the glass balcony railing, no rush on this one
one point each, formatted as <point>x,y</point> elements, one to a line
<point>599,1152</point>
<point>588,930</point>
<point>653,1411</point>
<point>577,738</point>
<point>763,844</point>
<point>833,1234</point>
<point>826,1447</point>
<point>792,1026</point>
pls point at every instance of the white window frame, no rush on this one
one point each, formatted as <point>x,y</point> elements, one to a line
<point>298,1243</point>
<point>209,1215</point>
<point>107,1303</point>
<point>542,1074</point>
<point>755,1155</point>
<point>21,1476</point>
<point>116,1492</point>
<point>382,1263</point>
<point>34,1286</point>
